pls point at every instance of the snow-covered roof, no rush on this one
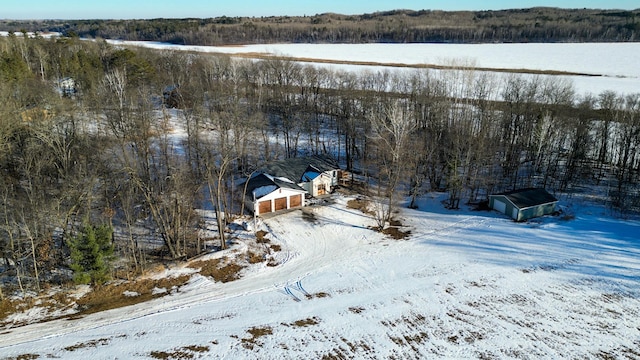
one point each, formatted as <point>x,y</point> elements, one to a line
<point>264,190</point>
<point>263,184</point>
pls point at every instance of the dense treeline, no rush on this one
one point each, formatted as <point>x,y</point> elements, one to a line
<point>110,160</point>
<point>399,26</point>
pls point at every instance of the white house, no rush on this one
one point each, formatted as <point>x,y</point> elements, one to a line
<point>284,184</point>
<point>316,174</point>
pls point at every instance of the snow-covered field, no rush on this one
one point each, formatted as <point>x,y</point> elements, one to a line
<point>465,284</point>
<point>614,66</point>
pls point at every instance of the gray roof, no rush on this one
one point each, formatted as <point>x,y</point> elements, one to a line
<point>524,198</point>
<point>294,168</point>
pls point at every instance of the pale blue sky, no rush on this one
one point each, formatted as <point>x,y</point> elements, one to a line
<point>142,9</point>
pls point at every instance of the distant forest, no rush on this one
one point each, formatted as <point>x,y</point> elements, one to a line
<point>541,24</point>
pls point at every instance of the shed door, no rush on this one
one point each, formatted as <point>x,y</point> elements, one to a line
<point>295,201</point>
<point>264,207</point>
<point>499,205</point>
<point>281,203</point>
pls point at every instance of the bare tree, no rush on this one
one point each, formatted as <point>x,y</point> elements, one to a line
<point>284,78</point>
<point>579,144</point>
<point>391,131</point>
<point>627,157</point>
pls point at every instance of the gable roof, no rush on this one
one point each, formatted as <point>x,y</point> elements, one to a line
<point>300,169</point>
<point>264,184</point>
<point>524,198</point>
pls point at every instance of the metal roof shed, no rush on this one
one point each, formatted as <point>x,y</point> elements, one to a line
<point>524,204</point>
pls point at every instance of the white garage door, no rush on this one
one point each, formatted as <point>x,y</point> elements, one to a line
<point>499,205</point>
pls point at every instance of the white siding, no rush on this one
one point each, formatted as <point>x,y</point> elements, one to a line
<point>277,194</point>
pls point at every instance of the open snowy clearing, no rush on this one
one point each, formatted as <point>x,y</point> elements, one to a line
<point>465,284</point>
<point>607,66</point>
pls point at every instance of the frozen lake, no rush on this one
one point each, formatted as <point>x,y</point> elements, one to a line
<point>612,66</point>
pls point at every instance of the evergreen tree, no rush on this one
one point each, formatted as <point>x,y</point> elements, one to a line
<point>91,254</point>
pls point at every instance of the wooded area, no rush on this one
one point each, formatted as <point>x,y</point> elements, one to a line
<point>105,160</point>
<point>399,26</point>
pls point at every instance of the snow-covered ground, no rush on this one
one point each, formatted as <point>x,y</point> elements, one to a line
<point>614,66</point>
<point>465,284</point>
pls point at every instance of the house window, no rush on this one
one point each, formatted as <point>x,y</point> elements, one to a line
<point>321,189</point>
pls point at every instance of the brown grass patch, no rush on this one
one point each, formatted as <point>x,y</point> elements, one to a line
<point>177,354</point>
<point>51,302</point>
<point>358,346</point>
<point>113,296</point>
<point>356,310</point>
<point>216,269</point>
<point>359,204</point>
<point>256,333</point>
<point>260,237</point>
<point>413,340</point>
<point>120,294</point>
<point>92,343</point>
<point>255,258</point>
<point>352,348</point>
<point>185,352</point>
<point>197,348</point>
<point>275,247</point>
<point>304,322</point>
<point>101,298</point>
<point>353,188</point>
<point>396,233</point>
<point>26,357</point>
<point>319,295</point>
<point>272,262</point>
<point>11,306</point>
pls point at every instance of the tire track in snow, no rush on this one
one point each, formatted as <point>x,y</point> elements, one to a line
<point>287,288</point>
<point>471,221</point>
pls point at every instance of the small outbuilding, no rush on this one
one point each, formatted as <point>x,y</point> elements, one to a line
<point>524,204</point>
<point>266,194</point>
